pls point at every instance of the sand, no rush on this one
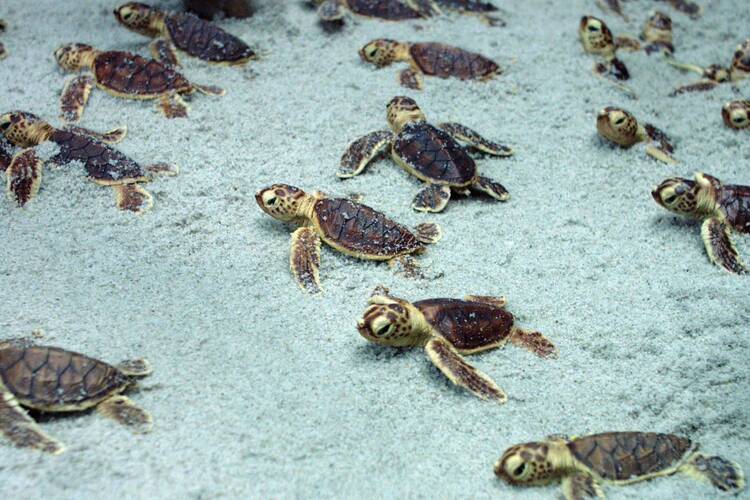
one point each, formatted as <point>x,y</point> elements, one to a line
<point>260,391</point>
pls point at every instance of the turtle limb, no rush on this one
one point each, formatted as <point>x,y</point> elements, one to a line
<point>209,89</point>
<point>124,411</point>
<point>612,72</point>
<point>661,154</point>
<point>686,67</point>
<point>112,137</point>
<point>411,79</point>
<point>3,51</point>
<point>627,43</point>
<point>164,52</point>
<point>474,139</point>
<point>431,198</point>
<point>663,149</point>
<point>533,341</point>
<point>20,429</point>
<point>720,472</point>
<point>164,169</point>
<point>719,246</point>
<point>492,188</point>
<point>304,259</point>
<point>381,294</point>
<point>362,151</point>
<point>701,86</point>
<point>581,485</point>
<point>139,367</point>
<point>428,233</point>
<point>173,106</point>
<point>331,10</point>
<point>614,6</point>
<point>74,97</point>
<point>408,266</point>
<point>133,197</point>
<point>692,9</point>
<point>486,299</point>
<point>447,360</point>
<point>24,176</point>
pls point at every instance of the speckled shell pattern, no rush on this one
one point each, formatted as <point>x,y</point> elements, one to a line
<point>102,162</point>
<point>363,230</point>
<point>393,10</point>
<point>734,201</point>
<point>467,5</point>
<point>467,325</point>
<point>445,61</point>
<point>435,155</point>
<point>204,40</point>
<point>46,377</point>
<point>132,74</point>
<point>618,456</point>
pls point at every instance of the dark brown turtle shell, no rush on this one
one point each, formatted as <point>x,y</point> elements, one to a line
<point>205,40</point>
<point>102,162</point>
<point>618,456</point>
<point>734,200</point>
<point>392,10</point>
<point>445,61</point>
<point>467,325</point>
<point>50,378</point>
<point>434,155</point>
<point>362,230</point>
<point>467,5</point>
<point>131,74</point>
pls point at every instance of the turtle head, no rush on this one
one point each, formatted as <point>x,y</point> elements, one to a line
<point>24,129</point>
<point>382,52</point>
<point>596,36</point>
<point>392,321</point>
<point>75,56</point>
<point>403,110</point>
<point>282,201</point>
<point>741,61</point>
<point>736,114</point>
<point>617,125</point>
<point>688,197</point>
<point>140,18</point>
<point>534,463</point>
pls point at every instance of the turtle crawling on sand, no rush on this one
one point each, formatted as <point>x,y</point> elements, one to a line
<point>432,59</point>
<point>583,464</point>
<point>3,52</point>
<point>345,225</point>
<point>104,164</point>
<point>432,154</point>
<point>736,114</point>
<point>185,32</point>
<point>448,328</point>
<point>722,207</point>
<point>126,75</point>
<point>621,127</point>
<point>54,380</point>
<point>715,74</point>
<point>404,10</point>
<point>597,39</point>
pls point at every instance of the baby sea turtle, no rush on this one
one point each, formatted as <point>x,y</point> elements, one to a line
<point>722,208</point>
<point>715,74</point>
<point>54,380</point>
<point>448,328</point>
<point>104,164</point>
<point>432,154</point>
<point>432,59</point>
<point>621,127</point>
<point>126,75</point>
<point>583,464</point>
<point>186,32</point>
<point>3,52</point>
<point>597,39</point>
<point>736,114</point>
<point>345,225</point>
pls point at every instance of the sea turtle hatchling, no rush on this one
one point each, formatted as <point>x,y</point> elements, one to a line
<point>715,74</point>
<point>126,75</point>
<point>584,464</point>
<point>54,380</point>
<point>104,164</point>
<point>432,154</point>
<point>621,127</point>
<point>722,207</point>
<point>345,225</point>
<point>186,32</point>
<point>432,59</point>
<point>3,51</point>
<point>597,39</point>
<point>448,328</point>
<point>736,114</point>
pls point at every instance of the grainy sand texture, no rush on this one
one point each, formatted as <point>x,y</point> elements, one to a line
<point>262,392</point>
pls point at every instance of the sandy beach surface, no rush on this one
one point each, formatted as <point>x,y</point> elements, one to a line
<point>262,392</point>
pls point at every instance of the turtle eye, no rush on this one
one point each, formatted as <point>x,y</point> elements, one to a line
<point>620,120</point>
<point>4,126</point>
<point>593,28</point>
<point>670,199</point>
<point>519,470</point>
<point>383,330</point>
<point>271,201</point>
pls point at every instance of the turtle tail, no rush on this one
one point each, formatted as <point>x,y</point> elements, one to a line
<point>722,473</point>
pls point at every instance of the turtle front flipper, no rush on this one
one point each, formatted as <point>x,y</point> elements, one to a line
<point>701,86</point>
<point>133,197</point>
<point>173,106</point>
<point>209,89</point>
<point>432,198</point>
<point>24,176</point>
<point>139,367</point>
<point>330,11</point>
<point>719,246</point>
<point>720,472</point>
<point>533,341</point>
<point>164,52</point>
<point>471,137</point>
<point>428,233</point>
<point>627,43</point>
<point>485,299</point>
<point>581,485</point>
<point>304,259</point>
<point>492,188</point>
<point>114,136</point>
<point>663,149</point>
<point>411,79</point>
<point>124,411</point>
<point>74,97</point>
<point>447,360</point>
<point>20,429</point>
<point>362,151</point>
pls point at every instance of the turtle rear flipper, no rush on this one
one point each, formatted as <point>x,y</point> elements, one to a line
<point>428,233</point>
<point>491,188</point>
<point>447,360</point>
<point>581,485</point>
<point>719,246</point>
<point>133,197</point>
<point>164,52</point>
<point>723,474</point>
<point>432,198</point>
<point>304,259</point>
<point>471,137</point>
<point>24,176</point>
<point>74,97</point>
<point>363,151</point>
<point>124,411</point>
<point>20,429</point>
<point>533,341</point>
